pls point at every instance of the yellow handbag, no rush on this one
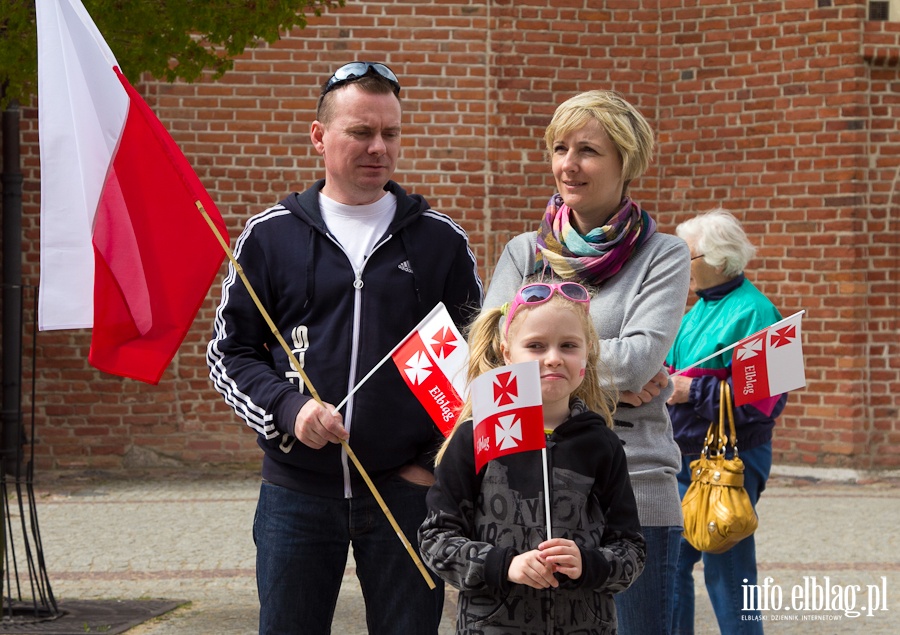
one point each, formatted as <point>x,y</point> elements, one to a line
<point>717,509</point>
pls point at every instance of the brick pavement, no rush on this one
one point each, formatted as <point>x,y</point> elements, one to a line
<point>186,535</point>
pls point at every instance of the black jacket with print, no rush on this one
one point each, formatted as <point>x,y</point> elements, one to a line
<point>340,323</point>
<point>477,523</point>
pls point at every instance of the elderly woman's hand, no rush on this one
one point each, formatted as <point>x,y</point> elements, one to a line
<point>647,393</point>
<point>682,392</point>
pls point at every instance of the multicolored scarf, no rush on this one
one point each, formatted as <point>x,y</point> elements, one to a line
<point>596,256</point>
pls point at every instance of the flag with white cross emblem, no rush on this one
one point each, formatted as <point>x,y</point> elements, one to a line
<point>769,363</point>
<point>432,360</point>
<point>507,412</point>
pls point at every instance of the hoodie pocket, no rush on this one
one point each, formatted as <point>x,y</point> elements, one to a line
<point>599,608</point>
<point>478,610</point>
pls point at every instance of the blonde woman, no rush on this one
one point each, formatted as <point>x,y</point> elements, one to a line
<point>593,232</point>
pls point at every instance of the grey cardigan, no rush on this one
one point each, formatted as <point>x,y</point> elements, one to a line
<point>637,313</point>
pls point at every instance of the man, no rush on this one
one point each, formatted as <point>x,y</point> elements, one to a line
<point>346,270</point>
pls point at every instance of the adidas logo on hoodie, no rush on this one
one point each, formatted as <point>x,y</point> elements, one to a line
<point>404,266</point>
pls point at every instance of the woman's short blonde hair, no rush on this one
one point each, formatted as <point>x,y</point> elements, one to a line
<point>624,124</point>
<point>719,237</point>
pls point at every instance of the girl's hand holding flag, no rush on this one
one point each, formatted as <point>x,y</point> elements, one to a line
<point>536,568</point>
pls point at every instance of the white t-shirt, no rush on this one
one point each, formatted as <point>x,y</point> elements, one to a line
<point>358,227</point>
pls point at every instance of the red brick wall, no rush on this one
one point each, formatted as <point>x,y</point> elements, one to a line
<point>783,112</point>
<point>881,51</point>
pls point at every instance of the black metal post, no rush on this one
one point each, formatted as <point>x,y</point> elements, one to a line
<point>12,437</point>
<point>15,475</point>
<point>11,441</point>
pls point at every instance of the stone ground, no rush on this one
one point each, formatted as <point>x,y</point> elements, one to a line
<point>186,536</point>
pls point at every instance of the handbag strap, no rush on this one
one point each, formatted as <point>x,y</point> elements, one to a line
<point>725,406</point>
<point>716,438</point>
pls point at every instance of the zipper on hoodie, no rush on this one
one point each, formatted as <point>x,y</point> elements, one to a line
<point>358,285</point>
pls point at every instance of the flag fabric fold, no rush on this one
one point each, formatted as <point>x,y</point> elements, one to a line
<point>769,363</point>
<point>432,360</point>
<point>507,412</point>
<point>123,249</point>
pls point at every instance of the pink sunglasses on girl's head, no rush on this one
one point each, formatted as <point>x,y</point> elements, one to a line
<point>540,292</point>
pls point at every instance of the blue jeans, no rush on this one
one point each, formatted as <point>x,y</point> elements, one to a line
<point>645,608</point>
<point>724,573</point>
<point>302,543</point>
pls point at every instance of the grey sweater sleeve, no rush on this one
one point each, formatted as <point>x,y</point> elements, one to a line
<point>638,311</point>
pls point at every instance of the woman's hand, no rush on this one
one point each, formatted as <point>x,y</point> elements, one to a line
<point>682,393</point>
<point>563,556</point>
<point>532,570</point>
<point>648,392</point>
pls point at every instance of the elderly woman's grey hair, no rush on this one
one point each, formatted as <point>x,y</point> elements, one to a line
<point>719,237</point>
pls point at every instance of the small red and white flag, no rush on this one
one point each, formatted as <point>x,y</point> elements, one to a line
<point>123,248</point>
<point>432,360</point>
<point>507,412</point>
<point>769,363</point>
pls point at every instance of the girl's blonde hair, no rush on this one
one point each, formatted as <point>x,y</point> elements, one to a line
<point>485,336</point>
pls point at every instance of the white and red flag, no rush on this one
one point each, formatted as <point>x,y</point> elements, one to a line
<point>432,360</point>
<point>768,363</point>
<point>507,412</point>
<point>124,249</point>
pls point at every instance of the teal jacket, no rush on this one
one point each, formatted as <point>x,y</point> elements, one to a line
<point>722,316</point>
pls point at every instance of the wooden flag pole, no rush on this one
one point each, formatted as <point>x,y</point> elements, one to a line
<point>296,365</point>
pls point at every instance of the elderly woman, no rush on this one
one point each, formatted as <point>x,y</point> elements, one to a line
<point>729,309</point>
<point>593,233</point>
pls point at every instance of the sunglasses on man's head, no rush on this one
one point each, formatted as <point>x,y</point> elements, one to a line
<point>357,70</point>
<point>540,292</point>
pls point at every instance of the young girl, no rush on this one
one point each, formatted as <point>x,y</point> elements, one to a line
<point>485,533</point>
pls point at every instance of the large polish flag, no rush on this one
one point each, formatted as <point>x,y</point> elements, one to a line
<point>507,412</point>
<point>769,363</point>
<point>124,249</point>
<point>432,360</point>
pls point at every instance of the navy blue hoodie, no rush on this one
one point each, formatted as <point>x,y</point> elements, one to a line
<point>339,323</point>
